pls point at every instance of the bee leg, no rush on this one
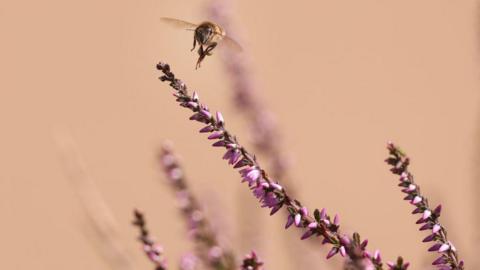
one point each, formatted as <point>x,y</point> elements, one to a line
<point>210,48</point>
<point>200,50</point>
<point>200,59</point>
<point>202,55</point>
<point>198,63</point>
<point>194,44</point>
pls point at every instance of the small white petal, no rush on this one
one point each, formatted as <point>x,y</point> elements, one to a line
<point>427,214</point>
<point>444,248</point>
<point>417,199</point>
<point>452,247</point>
<point>298,218</point>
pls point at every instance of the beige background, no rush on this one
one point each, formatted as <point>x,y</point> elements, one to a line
<point>342,78</point>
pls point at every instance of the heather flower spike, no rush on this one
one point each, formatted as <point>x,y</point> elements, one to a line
<point>207,247</point>
<point>449,256</point>
<point>153,251</point>
<point>270,196</point>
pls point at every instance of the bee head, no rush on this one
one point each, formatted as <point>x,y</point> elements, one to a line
<point>203,33</point>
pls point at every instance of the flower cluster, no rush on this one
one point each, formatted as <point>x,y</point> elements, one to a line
<point>252,262</point>
<point>448,259</point>
<point>271,194</point>
<point>153,250</point>
<point>206,244</point>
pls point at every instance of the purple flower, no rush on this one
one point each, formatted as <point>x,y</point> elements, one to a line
<point>313,225</point>
<point>443,248</point>
<point>232,155</point>
<point>270,200</point>
<point>332,252</point>
<point>250,174</point>
<point>307,234</point>
<point>206,129</point>
<point>417,200</point>
<point>298,219</point>
<point>290,221</point>
<point>220,118</point>
<point>215,135</point>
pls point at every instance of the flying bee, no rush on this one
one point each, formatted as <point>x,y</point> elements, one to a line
<point>207,34</point>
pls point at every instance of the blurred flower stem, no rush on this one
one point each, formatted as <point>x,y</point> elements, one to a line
<point>200,231</point>
<point>103,224</point>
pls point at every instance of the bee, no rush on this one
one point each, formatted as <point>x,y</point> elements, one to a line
<point>207,34</point>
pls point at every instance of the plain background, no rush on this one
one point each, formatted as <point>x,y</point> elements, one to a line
<point>341,77</point>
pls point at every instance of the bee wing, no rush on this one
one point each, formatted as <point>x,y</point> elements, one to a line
<point>232,44</point>
<point>179,23</point>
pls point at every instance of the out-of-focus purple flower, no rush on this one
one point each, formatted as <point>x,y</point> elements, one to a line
<point>430,218</point>
<point>215,253</point>
<point>188,262</point>
<point>207,247</point>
